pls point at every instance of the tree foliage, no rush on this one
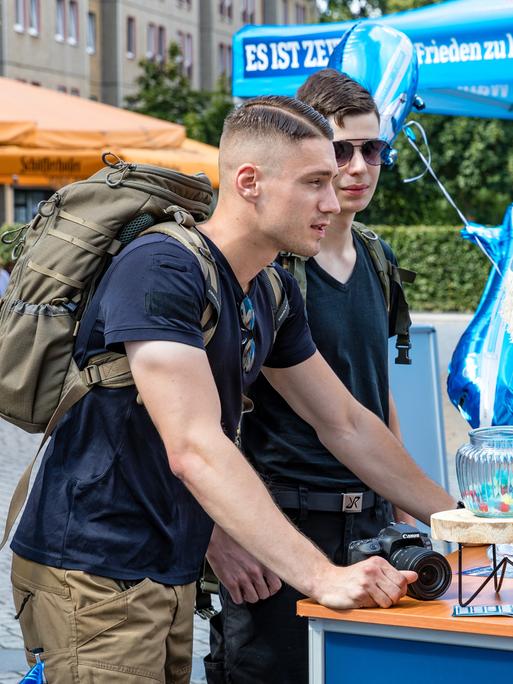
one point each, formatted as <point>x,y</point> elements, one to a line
<point>465,158</point>
<point>472,157</point>
<point>164,92</point>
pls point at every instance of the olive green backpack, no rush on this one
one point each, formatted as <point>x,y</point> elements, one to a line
<point>61,256</point>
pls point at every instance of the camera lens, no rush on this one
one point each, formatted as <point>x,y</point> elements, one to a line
<point>434,571</point>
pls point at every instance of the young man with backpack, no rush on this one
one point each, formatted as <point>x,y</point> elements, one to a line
<point>257,637</point>
<point>111,541</point>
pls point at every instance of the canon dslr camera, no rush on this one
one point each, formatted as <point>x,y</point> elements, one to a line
<point>406,548</point>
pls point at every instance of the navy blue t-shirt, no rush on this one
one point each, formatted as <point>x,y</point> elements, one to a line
<point>105,500</point>
<point>350,325</point>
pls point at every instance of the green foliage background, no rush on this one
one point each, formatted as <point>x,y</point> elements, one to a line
<point>451,272</point>
<point>164,92</point>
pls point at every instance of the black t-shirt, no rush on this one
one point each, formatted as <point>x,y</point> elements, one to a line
<point>105,500</point>
<point>350,326</point>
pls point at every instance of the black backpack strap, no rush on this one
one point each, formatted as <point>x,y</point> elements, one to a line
<point>389,273</point>
<point>277,295</point>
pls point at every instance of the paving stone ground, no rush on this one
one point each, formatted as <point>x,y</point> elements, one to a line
<point>17,448</point>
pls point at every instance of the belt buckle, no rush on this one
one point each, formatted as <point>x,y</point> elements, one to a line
<point>352,502</point>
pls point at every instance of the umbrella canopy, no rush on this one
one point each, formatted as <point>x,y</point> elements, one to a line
<point>464,49</point>
<point>49,138</point>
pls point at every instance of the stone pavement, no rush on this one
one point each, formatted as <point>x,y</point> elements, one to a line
<point>17,448</point>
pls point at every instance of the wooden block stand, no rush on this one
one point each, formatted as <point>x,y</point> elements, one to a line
<point>463,527</point>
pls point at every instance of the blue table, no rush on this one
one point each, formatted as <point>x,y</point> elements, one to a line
<point>414,642</point>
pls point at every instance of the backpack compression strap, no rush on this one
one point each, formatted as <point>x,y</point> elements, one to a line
<point>113,370</point>
<point>388,273</point>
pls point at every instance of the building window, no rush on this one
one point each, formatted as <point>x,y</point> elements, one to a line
<point>130,37</point>
<point>285,4</point>
<point>91,33</point>
<point>185,42</point>
<point>225,60</point>
<point>60,21</point>
<point>300,14</point>
<point>161,44</point>
<point>151,41</point>
<point>187,4</point>
<point>248,11</point>
<point>19,15</point>
<point>226,9</point>
<point>26,203</point>
<point>34,18</point>
<point>73,23</point>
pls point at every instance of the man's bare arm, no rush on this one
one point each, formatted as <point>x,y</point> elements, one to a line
<point>357,437</point>
<point>178,390</point>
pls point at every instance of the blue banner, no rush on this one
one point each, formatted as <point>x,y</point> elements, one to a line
<point>464,50</point>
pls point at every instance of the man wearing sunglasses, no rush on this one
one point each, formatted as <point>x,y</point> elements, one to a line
<point>350,325</point>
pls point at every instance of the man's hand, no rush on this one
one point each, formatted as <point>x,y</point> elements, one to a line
<point>245,578</point>
<point>369,584</point>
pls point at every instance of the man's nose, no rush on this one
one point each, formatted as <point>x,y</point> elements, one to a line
<point>357,163</point>
<point>330,203</point>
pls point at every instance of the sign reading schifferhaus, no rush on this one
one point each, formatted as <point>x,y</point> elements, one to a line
<point>50,166</point>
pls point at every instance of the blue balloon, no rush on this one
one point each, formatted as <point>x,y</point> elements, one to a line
<point>383,60</point>
<point>480,381</point>
<point>35,675</point>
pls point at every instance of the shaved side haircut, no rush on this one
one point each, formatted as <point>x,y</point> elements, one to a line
<point>286,117</point>
<point>335,94</point>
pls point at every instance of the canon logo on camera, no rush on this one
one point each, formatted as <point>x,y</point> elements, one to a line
<point>410,536</point>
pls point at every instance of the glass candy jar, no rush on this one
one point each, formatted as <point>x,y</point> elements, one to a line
<point>484,468</point>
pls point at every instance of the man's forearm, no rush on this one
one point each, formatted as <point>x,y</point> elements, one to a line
<point>372,452</point>
<point>243,507</point>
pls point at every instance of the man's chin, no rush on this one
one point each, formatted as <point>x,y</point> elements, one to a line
<point>306,250</point>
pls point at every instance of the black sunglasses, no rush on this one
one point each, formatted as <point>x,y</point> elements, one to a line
<point>374,152</point>
<point>247,318</point>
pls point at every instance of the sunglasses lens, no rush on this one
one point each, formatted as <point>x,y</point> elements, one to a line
<point>247,313</point>
<point>247,317</point>
<point>248,355</point>
<point>343,151</point>
<point>374,151</point>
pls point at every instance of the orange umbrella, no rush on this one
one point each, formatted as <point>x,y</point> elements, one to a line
<point>49,138</point>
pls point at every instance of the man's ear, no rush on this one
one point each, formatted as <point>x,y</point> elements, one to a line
<point>247,182</point>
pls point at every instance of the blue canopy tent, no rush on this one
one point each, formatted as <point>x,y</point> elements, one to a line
<point>464,49</point>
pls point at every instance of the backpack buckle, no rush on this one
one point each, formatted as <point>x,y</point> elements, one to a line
<point>403,352</point>
<point>92,375</point>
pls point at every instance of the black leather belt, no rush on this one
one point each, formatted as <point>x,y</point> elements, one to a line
<point>330,502</point>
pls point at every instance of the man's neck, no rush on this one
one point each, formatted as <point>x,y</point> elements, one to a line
<point>234,237</point>
<point>337,255</point>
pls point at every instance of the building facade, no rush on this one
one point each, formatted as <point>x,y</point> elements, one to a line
<point>92,48</point>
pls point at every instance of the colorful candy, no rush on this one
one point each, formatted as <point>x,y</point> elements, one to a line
<point>493,498</point>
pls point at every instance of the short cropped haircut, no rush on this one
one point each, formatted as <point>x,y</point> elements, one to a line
<point>286,117</point>
<point>335,94</point>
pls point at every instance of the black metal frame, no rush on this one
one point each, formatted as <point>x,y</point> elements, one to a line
<point>501,567</point>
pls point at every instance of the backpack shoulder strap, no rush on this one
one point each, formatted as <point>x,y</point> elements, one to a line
<point>278,297</point>
<point>191,238</point>
<point>388,273</point>
<point>296,266</point>
<point>378,256</point>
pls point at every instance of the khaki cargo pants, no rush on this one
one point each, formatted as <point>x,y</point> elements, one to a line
<point>93,632</point>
